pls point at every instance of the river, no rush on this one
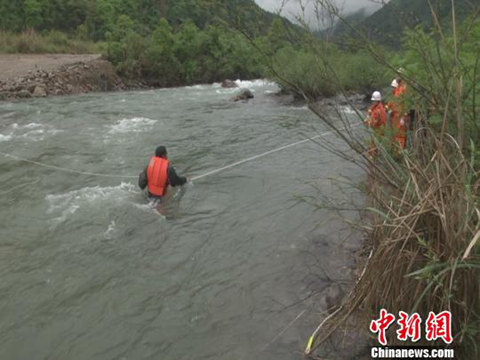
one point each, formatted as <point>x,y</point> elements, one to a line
<point>233,269</point>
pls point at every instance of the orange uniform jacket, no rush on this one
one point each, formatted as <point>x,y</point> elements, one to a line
<point>157,175</point>
<point>398,113</point>
<point>378,117</point>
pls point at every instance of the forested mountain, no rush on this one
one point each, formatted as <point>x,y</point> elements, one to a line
<point>165,42</point>
<point>386,25</point>
<point>94,18</point>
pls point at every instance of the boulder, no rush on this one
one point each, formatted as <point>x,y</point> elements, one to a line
<point>39,91</point>
<point>31,86</point>
<point>244,94</point>
<point>229,84</point>
<point>23,93</point>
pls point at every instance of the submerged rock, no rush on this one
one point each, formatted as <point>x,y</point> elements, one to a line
<point>331,298</point>
<point>39,91</point>
<point>23,94</point>
<point>245,94</point>
<point>229,84</point>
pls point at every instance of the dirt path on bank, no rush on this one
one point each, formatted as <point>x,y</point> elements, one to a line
<point>41,75</point>
<point>17,65</point>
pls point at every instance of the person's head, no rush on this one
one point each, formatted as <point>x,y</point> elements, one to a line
<point>376,96</point>
<point>161,151</point>
<point>394,85</point>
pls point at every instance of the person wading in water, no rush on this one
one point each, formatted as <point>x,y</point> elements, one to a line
<point>159,174</point>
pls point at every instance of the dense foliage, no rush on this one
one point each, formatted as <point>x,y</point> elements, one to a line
<point>165,42</point>
<point>435,99</point>
<point>93,19</point>
<point>310,67</point>
<point>185,56</point>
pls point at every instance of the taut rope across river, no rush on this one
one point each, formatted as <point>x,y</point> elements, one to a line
<point>211,172</point>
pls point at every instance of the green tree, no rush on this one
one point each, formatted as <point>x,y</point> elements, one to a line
<point>276,37</point>
<point>159,61</point>
<point>33,14</point>
<point>187,49</point>
<point>125,47</point>
<point>12,18</point>
<point>100,19</point>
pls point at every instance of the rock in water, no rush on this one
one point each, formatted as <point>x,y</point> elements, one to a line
<point>245,94</point>
<point>23,93</point>
<point>39,91</point>
<point>229,84</point>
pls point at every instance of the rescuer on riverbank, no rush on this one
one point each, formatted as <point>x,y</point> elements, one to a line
<point>377,119</point>
<point>399,118</point>
<point>159,174</point>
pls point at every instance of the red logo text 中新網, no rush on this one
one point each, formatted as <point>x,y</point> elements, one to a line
<point>437,326</point>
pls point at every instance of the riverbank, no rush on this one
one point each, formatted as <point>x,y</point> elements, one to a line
<point>26,75</point>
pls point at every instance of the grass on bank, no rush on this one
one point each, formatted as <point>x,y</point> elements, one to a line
<point>424,222</point>
<point>53,42</point>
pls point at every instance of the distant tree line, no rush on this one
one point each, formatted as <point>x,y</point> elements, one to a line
<point>166,42</point>
<point>171,43</point>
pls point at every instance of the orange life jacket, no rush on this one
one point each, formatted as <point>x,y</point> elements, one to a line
<point>400,90</point>
<point>157,176</point>
<point>378,116</point>
<point>399,113</point>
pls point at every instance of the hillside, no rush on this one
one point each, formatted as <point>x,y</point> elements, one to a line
<point>386,25</point>
<point>241,12</point>
<point>94,19</point>
<point>165,43</point>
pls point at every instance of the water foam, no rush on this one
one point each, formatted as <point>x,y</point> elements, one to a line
<point>302,108</point>
<point>68,203</point>
<point>197,87</point>
<point>5,137</point>
<point>31,125</point>
<point>110,230</point>
<point>39,134</point>
<point>254,83</point>
<point>31,131</point>
<point>226,91</point>
<point>136,124</point>
<point>347,109</point>
<point>242,84</point>
<point>151,208</point>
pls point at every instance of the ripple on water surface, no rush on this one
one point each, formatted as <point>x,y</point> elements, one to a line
<point>65,205</point>
<point>29,132</point>
<point>93,271</point>
<point>136,124</point>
